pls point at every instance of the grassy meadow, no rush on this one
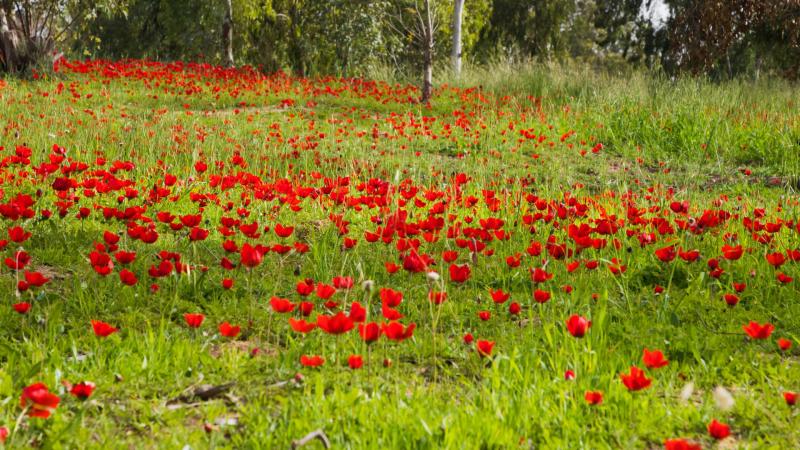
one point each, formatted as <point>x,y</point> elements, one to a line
<point>516,246</point>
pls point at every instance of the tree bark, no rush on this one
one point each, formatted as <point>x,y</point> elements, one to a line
<point>427,54</point>
<point>8,43</point>
<point>458,14</point>
<point>227,34</point>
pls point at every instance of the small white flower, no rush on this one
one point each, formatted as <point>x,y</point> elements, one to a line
<point>367,285</point>
<point>433,276</point>
<point>723,398</point>
<point>686,392</point>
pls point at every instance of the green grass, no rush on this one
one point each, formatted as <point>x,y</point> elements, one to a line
<point>663,141</point>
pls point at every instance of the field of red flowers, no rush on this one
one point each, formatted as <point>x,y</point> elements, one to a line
<point>206,257</point>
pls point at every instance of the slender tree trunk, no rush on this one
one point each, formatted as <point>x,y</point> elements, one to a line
<point>227,34</point>
<point>427,54</point>
<point>458,14</point>
<point>7,43</point>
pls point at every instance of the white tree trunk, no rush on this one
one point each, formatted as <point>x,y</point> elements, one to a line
<point>458,14</point>
<point>427,53</point>
<point>227,34</point>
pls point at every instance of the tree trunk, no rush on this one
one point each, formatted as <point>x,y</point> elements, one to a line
<point>458,13</point>
<point>227,34</point>
<point>427,54</point>
<point>8,44</point>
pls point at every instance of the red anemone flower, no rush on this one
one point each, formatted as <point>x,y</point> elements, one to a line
<point>40,401</point>
<point>355,362</point>
<point>82,390</point>
<point>757,331</point>
<point>718,430</point>
<point>635,380</point>
<point>311,361</point>
<point>337,324</point>
<point>578,326</point>
<point>228,330</point>
<point>194,320</point>
<point>593,397</point>
<point>369,332</point>
<point>301,326</point>
<point>484,348</point>
<point>103,329</point>
<point>654,359</point>
<point>281,305</point>
<point>395,331</point>
<point>681,444</point>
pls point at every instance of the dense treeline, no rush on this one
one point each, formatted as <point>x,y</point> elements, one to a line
<point>720,38</point>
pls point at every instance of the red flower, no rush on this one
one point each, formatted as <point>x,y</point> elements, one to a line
<point>790,397</point>
<point>251,256</point>
<point>484,315</point>
<point>103,329</point>
<point>18,234</point>
<point>616,267</point>
<point>357,312</point>
<point>437,297</point>
<point>305,287</point>
<point>343,282</point>
<point>82,390</point>
<point>21,307</point>
<point>227,283</point>
<point>194,320</point>
<point>19,261</point>
<point>499,296</point>
<point>784,344</point>
<point>718,430</point>
<point>229,330</point>
<point>337,324</point>
<point>569,375</point>
<point>577,325</point>
<point>593,397</point>
<point>666,254</point>
<point>198,234</point>
<point>783,278</point>
<point>281,305</point>
<point>635,380</point>
<point>776,259</point>
<point>459,274</point>
<point>732,253</point>
<point>306,308</point>
<point>390,297</point>
<point>541,296</point>
<point>124,257</point>
<point>395,331</point>
<point>127,277</point>
<point>283,231</point>
<point>539,275</point>
<point>325,291</point>
<point>731,299</point>
<point>3,434</point>
<point>301,326</point>
<point>449,255</point>
<point>355,362</point>
<point>756,331</point>
<point>681,444</point>
<point>468,338</point>
<point>484,347</point>
<point>654,359</point>
<point>514,308</point>
<point>40,401</point>
<point>369,332</point>
<point>311,361</point>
